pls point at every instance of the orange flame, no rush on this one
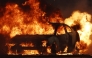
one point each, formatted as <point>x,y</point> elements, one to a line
<point>16,22</point>
<point>84,19</point>
<point>27,44</point>
<point>30,52</point>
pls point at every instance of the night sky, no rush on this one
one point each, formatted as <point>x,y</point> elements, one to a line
<point>66,6</point>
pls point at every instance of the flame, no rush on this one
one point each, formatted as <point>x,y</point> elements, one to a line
<point>30,52</point>
<point>17,22</point>
<point>9,49</point>
<point>44,42</point>
<point>84,19</point>
<point>48,49</point>
<point>65,50</point>
<point>27,44</point>
<point>82,46</point>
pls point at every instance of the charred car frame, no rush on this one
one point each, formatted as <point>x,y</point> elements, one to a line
<point>57,42</point>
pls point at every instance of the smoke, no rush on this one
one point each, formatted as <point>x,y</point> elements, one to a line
<point>68,6</point>
<point>81,5</point>
<point>76,27</point>
<point>48,8</point>
<point>4,2</point>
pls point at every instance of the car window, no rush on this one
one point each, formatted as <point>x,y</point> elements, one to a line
<point>61,30</point>
<point>68,29</point>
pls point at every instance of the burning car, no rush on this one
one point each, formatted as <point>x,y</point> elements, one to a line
<point>46,44</point>
<point>26,26</point>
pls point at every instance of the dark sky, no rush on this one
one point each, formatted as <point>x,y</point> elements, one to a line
<point>66,6</point>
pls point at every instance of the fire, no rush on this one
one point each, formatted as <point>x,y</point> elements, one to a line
<point>27,44</point>
<point>84,19</point>
<point>17,22</point>
<point>9,49</point>
<point>30,52</point>
<point>44,42</point>
<point>82,46</point>
<point>65,50</point>
<point>48,50</point>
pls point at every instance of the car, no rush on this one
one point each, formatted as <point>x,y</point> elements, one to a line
<point>64,36</point>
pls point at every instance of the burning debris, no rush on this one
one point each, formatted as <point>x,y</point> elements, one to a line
<point>36,31</point>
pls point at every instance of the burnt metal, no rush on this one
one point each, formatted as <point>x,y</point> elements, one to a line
<point>55,26</point>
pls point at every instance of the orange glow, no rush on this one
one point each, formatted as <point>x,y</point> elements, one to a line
<point>44,43</point>
<point>48,50</point>
<point>30,52</point>
<point>27,44</point>
<point>84,19</point>
<point>17,22</point>
<point>65,50</point>
<point>9,49</point>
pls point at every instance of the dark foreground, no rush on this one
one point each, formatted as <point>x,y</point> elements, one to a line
<point>45,56</point>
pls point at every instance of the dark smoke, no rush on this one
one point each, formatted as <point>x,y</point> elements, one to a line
<point>76,27</point>
<point>48,8</point>
<point>81,5</point>
<point>3,4</point>
<point>66,6</point>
